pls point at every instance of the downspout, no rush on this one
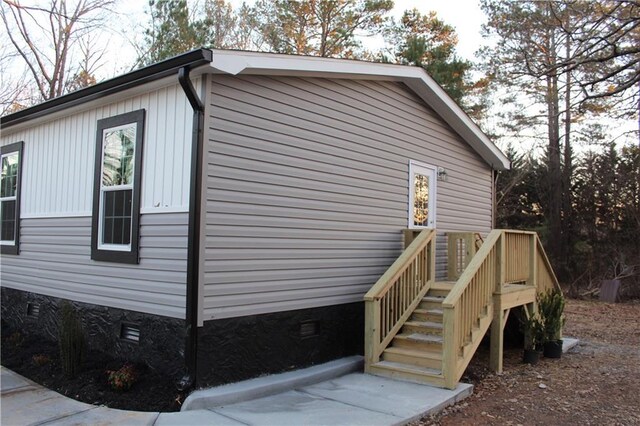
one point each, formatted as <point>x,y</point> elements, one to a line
<point>195,187</point>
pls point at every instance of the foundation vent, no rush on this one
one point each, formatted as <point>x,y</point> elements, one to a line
<point>33,310</point>
<point>309,329</point>
<point>130,333</point>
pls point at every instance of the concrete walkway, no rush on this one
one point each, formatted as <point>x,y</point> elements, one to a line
<point>352,399</point>
<point>327,394</point>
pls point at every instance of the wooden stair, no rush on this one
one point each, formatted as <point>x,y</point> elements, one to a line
<point>415,353</point>
<point>420,330</point>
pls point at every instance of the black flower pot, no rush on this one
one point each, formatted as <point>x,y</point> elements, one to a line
<point>531,356</point>
<point>553,349</point>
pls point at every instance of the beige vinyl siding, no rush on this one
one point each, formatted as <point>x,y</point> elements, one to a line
<point>307,189</point>
<point>55,259</point>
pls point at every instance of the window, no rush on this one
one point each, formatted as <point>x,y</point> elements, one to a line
<point>11,163</point>
<point>422,195</point>
<point>116,199</point>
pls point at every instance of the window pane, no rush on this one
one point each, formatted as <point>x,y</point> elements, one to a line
<point>9,179</point>
<point>117,157</point>
<point>421,200</point>
<point>8,220</point>
<point>116,226</point>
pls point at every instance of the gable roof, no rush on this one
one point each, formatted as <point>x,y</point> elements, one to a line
<point>236,62</point>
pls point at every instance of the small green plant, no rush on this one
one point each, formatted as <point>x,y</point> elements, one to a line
<point>41,359</point>
<point>71,340</point>
<point>533,328</point>
<point>123,378</point>
<point>15,339</point>
<point>551,309</point>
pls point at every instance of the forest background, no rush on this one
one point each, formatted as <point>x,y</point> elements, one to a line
<point>556,84</point>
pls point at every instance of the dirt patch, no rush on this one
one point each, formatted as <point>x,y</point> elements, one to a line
<point>597,383</point>
<point>38,360</point>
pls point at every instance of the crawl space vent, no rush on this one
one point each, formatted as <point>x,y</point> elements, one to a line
<point>130,333</point>
<point>309,329</point>
<point>33,310</point>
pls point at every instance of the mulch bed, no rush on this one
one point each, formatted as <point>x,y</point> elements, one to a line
<point>39,360</point>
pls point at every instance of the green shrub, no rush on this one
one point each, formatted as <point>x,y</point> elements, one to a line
<point>551,309</point>
<point>533,329</point>
<point>123,378</point>
<point>71,340</point>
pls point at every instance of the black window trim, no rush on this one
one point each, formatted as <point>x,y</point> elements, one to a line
<point>130,256</point>
<point>15,247</point>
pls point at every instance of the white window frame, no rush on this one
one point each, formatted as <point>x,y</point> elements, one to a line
<point>104,189</point>
<point>12,198</point>
<point>416,167</point>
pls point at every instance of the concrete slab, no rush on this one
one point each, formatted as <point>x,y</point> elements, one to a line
<point>10,381</point>
<point>195,417</point>
<point>37,406</point>
<point>406,400</point>
<point>299,408</point>
<point>270,385</point>
<point>99,416</point>
<point>569,343</point>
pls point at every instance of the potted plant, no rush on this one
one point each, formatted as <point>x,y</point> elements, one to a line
<point>551,309</point>
<point>534,338</point>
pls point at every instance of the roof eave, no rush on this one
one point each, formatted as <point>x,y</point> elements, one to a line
<point>135,78</point>
<point>416,78</point>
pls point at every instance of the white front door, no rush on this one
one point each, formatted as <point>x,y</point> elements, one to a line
<point>422,195</point>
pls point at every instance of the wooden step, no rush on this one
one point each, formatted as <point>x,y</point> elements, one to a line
<point>431,302</point>
<point>434,315</point>
<point>424,327</point>
<point>429,359</point>
<point>410,373</point>
<point>418,341</point>
<point>441,288</point>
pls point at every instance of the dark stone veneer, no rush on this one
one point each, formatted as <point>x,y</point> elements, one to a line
<point>229,350</point>
<point>234,349</point>
<point>161,344</point>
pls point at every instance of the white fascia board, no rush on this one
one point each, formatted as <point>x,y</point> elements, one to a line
<point>416,78</point>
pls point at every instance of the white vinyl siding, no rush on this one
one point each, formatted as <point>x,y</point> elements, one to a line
<point>55,260</point>
<point>59,155</point>
<point>307,189</point>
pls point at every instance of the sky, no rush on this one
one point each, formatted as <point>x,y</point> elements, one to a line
<point>464,15</point>
<point>467,25</point>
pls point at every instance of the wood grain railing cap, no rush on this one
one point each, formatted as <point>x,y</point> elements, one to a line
<point>402,262</point>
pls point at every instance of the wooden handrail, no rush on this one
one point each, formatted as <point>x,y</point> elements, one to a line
<point>465,279</point>
<point>393,298</point>
<point>505,257</point>
<point>546,276</point>
<point>387,279</point>
<point>461,248</point>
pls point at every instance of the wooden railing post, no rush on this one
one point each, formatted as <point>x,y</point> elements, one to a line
<point>432,260</point>
<point>449,350</point>
<point>372,332</point>
<point>501,263</point>
<point>533,260</point>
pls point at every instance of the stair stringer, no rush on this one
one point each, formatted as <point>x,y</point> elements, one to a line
<point>470,348</point>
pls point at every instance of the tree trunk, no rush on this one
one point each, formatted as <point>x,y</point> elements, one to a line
<point>555,173</point>
<point>567,171</point>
